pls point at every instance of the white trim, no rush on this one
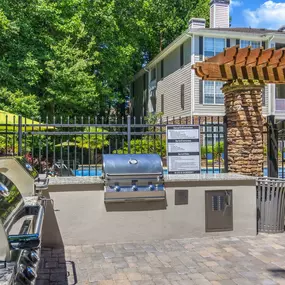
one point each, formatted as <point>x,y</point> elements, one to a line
<point>273,102</point>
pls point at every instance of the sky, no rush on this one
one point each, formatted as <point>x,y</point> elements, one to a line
<point>267,14</point>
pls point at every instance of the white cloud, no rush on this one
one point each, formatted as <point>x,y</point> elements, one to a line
<point>235,3</point>
<point>269,15</point>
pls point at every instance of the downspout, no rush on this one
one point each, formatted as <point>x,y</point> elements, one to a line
<point>192,78</point>
<point>270,90</point>
<point>148,96</point>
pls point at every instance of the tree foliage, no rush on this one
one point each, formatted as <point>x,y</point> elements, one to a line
<point>76,57</point>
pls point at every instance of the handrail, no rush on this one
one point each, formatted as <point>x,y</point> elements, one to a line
<point>29,240</point>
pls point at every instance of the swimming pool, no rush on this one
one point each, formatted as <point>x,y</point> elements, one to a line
<point>98,172</point>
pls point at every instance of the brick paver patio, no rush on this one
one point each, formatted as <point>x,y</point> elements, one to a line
<point>225,261</point>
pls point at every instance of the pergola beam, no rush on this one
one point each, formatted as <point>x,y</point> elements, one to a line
<point>244,64</point>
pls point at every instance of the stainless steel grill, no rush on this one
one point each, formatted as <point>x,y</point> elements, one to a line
<point>130,177</point>
<point>21,219</point>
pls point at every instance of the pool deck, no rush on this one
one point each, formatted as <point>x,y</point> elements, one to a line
<point>216,261</point>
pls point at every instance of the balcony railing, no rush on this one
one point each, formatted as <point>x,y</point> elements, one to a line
<point>280,105</point>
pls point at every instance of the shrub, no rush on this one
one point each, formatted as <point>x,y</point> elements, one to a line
<point>147,144</point>
<point>218,149</point>
<point>204,150</point>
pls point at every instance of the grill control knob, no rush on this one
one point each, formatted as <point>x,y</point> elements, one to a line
<point>117,188</point>
<point>29,273</point>
<point>151,187</point>
<point>33,256</point>
<point>134,188</point>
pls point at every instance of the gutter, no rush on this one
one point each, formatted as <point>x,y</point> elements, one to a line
<point>233,34</point>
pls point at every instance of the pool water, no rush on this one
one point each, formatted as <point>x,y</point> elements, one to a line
<point>98,171</point>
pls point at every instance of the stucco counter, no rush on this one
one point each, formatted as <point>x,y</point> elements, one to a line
<point>80,215</point>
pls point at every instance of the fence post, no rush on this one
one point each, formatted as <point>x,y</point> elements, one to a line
<point>20,135</point>
<point>272,147</point>
<point>226,161</point>
<point>129,133</point>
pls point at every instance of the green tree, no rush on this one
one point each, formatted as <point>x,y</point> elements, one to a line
<point>77,57</point>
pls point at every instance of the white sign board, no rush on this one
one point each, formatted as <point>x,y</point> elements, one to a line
<point>183,149</point>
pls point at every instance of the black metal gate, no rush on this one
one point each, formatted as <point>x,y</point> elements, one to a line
<point>275,147</point>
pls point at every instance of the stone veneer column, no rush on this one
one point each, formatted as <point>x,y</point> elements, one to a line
<point>243,102</point>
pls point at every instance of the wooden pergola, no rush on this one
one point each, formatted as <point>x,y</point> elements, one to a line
<point>267,66</point>
<point>245,72</point>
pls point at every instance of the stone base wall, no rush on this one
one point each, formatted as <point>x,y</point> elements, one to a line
<point>245,128</point>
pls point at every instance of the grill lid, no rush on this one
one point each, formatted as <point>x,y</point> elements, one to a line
<point>132,165</point>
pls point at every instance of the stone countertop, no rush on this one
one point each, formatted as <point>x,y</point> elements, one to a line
<point>167,178</point>
<point>75,180</point>
<point>206,177</point>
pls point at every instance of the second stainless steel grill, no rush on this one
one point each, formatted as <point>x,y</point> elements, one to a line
<point>130,177</point>
<point>21,220</point>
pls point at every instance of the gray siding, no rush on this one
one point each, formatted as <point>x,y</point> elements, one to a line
<point>222,16</point>
<point>187,52</point>
<point>210,109</point>
<point>201,109</point>
<point>170,85</point>
<point>219,16</point>
<point>205,109</point>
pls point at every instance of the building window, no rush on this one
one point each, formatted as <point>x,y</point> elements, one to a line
<point>181,55</point>
<point>182,97</point>
<point>153,74</point>
<point>213,93</point>
<point>213,46</point>
<point>253,44</point>
<point>162,68</point>
<point>162,103</point>
<point>213,135</point>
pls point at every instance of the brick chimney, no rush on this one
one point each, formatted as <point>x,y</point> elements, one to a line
<point>197,23</point>
<point>219,13</point>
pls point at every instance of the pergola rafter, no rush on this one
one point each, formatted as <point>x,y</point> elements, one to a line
<point>267,66</point>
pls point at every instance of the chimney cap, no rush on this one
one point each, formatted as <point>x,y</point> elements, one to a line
<point>197,20</point>
<point>227,2</point>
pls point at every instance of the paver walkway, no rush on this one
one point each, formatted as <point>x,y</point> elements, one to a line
<point>226,261</point>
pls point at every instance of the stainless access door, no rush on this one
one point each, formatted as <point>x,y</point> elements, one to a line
<point>219,210</point>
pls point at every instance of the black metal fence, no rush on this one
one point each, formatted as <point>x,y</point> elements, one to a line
<point>74,146</point>
<point>276,147</point>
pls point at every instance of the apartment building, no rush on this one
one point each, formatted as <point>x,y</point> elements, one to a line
<point>168,85</point>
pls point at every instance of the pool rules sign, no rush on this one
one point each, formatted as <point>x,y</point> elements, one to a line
<point>183,149</point>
